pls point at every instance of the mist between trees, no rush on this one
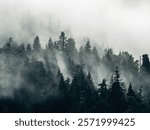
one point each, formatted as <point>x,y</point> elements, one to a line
<point>60,78</point>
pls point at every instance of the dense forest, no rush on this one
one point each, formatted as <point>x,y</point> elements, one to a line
<point>62,78</point>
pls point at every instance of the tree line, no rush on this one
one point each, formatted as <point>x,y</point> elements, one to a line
<point>62,78</point>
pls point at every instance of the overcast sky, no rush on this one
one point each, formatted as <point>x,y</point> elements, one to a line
<point>120,24</point>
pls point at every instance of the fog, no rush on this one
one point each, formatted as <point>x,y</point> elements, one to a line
<point>120,24</point>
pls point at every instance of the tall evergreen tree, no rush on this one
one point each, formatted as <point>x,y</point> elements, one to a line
<point>87,48</point>
<point>70,47</point>
<point>62,42</point>
<point>28,49</point>
<point>50,43</point>
<point>102,104</point>
<point>103,91</point>
<point>108,59</point>
<point>95,54</point>
<point>117,94</point>
<point>36,44</point>
<point>146,63</point>
<point>130,91</point>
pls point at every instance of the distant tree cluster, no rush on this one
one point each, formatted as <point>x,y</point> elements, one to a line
<point>61,78</point>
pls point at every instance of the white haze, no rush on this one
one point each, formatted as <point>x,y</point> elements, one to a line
<point>120,24</point>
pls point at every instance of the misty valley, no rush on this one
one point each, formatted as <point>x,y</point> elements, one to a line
<point>63,79</point>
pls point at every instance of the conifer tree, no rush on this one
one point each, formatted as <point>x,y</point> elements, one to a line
<point>28,49</point>
<point>87,48</point>
<point>50,43</point>
<point>62,42</point>
<point>117,94</point>
<point>36,44</point>
<point>96,55</point>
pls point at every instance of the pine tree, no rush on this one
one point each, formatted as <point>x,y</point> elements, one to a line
<point>95,54</point>
<point>146,63</point>
<point>36,44</point>
<point>117,94</point>
<point>63,93</point>
<point>107,59</point>
<point>102,104</point>
<point>28,49</point>
<point>90,91</point>
<point>132,100</point>
<point>7,47</point>
<point>117,76</point>
<point>50,43</point>
<point>62,42</point>
<point>87,48</point>
<point>56,45</point>
<point>78,85</point>
<point>70,47</point>
<point>130,91</point>
<point>103,92</point>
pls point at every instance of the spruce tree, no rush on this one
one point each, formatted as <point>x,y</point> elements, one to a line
<point>87,48</point>
<point>50,43</point>
<point>62,42</point>
<point>28,49</point>
<point>117,94</point>
<point>95,54</point>
<point>36,44</point>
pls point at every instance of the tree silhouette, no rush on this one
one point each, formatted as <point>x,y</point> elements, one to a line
<point>50,43</point>
<point>87,48</point>
<point>117,94</point>
<point>62,42</point>
<point>96,55</point>
<point>146,63</point>
<point>35,84</point>
<point>28,49</point>
<point>36,44</point>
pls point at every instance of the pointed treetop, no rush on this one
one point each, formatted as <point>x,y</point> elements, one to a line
<point>62,41</point>
<point>37,39</point>
<point>88,47</point>
<point>36,43</point>
<point>95,53</point>
<point>50,43</point>
<point>117,75</point>
<point>50,40</point>
<point>130,91</point>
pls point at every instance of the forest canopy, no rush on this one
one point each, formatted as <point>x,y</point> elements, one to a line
<point>62,78</point>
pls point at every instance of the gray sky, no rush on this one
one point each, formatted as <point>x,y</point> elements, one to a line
<point>120,24</point>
